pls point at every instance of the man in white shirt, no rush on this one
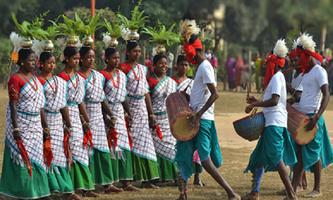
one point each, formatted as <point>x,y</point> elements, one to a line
<point>274,149</point>
<point>202,98</point>
<point>314,99</point>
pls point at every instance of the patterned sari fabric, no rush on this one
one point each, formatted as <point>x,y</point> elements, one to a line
<point>185,84</point>
<point>165,147</point>
<point>94,95</point>
<point>15,180</point>
<point>29,122</point>
<point>55,90</point>
<point>115,91</point>
<point>137,87</point>
<point>75,95</point>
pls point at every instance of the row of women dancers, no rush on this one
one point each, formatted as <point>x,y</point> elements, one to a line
<point>83,130</point>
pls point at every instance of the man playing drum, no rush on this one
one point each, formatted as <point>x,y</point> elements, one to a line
<point>318,153</point>
<point>202,98</point>
<point>274,149</point>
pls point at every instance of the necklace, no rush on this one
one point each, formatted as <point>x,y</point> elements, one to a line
<point>76,79</point>
<point>55,88</point>
<point>137,77</point>
<point>33,85</point>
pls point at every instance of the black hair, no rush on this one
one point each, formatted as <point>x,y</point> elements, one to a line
<point>158,57</point>
<point>44,56</point>
<point>181,58</point>
<point>131,44</point>
<point>69,52</point>
<point>109,52</point>
<point>24,54</point>
<point>84,50</point>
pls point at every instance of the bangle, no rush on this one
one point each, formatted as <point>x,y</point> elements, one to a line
<point>46,130</point>
<point>16,129</point>
<point>152,116</point>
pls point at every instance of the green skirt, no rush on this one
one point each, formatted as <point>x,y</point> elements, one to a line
<point>274,146</point>
<point>81,177</point>
<point>167,169</point>
<point>319,148</point>
<point>144,169</point>
<point>16,182</point>
<point>60,180</point>
<point>101,168</point>
<point>125,166</point>
<point>115,167</point>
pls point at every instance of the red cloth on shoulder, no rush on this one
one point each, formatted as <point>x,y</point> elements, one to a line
<point>125,67</point>
<point>106,74</point>
<point>152,82</point>
<point>64,76</point>
<point>15,84</point>
<point>176,79</point>
<point>41,80</point>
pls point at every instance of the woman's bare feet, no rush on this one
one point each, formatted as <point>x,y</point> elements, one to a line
<point>112,189</point>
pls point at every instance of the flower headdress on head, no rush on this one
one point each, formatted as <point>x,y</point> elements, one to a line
<point>110,38</point>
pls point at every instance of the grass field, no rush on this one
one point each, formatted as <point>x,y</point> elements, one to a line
<point>236,152</point>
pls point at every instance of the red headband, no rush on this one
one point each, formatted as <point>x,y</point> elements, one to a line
<point>190,50</point>
<point>271,61</point>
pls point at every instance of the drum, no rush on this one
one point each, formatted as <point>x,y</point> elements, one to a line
<point>178,113</point>
<point>250,127</point>
<point>296,126</point>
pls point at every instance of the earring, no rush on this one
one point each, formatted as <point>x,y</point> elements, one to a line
<point>66,60</point>
<point>22,63</point>
<point>42,66</point>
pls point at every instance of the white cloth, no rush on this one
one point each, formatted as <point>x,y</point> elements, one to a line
<point>75,95</point>
<point>94,95</point>
<point>55,100</point>
<point>29,122</point>
<point>116,96</point>
<point>185,84</point>
<point>137,87</point>
<point>200,92</point>
<point>295,83</point>
<point>276,115</point>
<point>166,147</point>
<point>310,87</point>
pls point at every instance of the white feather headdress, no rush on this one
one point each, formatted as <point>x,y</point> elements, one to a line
<point>16,41</point>
<point>280,48</point>
<point>38,47</point>
<point>189,27</point>
<point>306,41</point>
<point>106,39</point>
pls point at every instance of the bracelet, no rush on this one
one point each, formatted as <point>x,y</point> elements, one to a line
<point>46,130</point>
<point>85,123</point>
<point>16,129</point>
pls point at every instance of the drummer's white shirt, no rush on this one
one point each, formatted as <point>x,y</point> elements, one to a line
<point>276,115</point>
<point>200,92</point>
<point>310,87</point>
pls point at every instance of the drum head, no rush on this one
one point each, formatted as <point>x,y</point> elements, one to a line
<point>183,130</point>
<point>302,136</point>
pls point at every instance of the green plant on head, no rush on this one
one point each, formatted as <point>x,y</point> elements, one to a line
<point>113,28</point>
<point>162,35</point>
<point>90,26</point>
<point>24,28</point>
<point>137,20</point>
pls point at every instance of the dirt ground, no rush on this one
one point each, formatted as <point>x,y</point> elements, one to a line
<point>236,152</point>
